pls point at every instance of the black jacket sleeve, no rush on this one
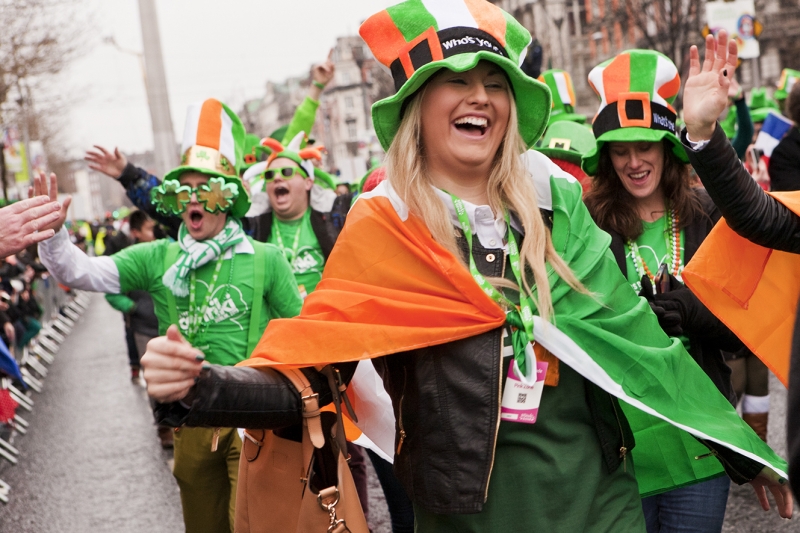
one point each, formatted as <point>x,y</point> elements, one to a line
<point>252,398</point>
<point>747,209</point>
<point>784,164</point>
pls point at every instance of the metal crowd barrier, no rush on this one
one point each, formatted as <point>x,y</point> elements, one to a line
<point>60,311</point>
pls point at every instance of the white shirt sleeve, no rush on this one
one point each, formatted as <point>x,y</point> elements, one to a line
<point>697,146</point>
<point>70,266</point>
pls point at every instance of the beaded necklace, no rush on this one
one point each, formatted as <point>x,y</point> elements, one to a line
<point>197,323</point>
<point>673,238</point>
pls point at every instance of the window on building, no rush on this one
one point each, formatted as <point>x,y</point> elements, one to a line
<point>348,102</point>
<point>352,131</point>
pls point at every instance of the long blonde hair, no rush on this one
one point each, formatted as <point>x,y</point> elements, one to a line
<point>509,186</point>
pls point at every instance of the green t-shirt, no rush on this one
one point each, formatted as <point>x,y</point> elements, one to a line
<point>300,247</point>
<point>224,336</point>
<point>652,245</point>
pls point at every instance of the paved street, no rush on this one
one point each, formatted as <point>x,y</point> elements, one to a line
<point>91,461</point>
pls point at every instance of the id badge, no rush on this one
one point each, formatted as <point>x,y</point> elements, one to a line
<point>521,401</point>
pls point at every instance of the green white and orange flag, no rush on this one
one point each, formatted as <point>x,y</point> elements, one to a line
<point>752,289</point>
<point>388,287</point>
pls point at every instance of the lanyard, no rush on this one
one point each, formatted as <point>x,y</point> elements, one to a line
<point>520,318</point>
<point>197,317</point>
<point>295,244</point>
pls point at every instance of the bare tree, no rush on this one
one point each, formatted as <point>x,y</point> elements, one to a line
<point>37,41</point>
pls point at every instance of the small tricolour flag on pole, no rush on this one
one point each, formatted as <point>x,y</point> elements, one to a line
<point>774,128</point>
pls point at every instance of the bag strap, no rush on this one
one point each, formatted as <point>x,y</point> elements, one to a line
<point>338,388</point>
<point>254,333</point>
<point>310,400</point>
<point>170,257</point>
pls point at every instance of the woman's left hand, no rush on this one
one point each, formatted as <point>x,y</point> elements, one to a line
<point>779,487</point>
<point>705,95</point>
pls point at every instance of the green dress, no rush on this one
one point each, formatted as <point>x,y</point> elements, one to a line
<point>550,476</point>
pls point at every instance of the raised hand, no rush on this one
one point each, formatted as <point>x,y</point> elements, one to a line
<point>104,161</point>
<point>26,222</point>
<point>322,74</point>
<point>705,94</point>
<point>40,188</point>
<point>171,366</point>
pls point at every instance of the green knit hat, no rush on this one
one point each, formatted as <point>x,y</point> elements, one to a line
<point>568,141</point>
<point>636,90</point>
<point>213,144</point>
<point>788,78</point>
<point>417,38</point>
<point>761,104</point>
<point>560,84</point>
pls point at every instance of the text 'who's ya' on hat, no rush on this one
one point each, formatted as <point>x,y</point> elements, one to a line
<point>213,144</point>
<point>636,90</point>
<point>417,38</point>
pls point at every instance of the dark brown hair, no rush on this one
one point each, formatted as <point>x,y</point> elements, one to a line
<point>614,208</point>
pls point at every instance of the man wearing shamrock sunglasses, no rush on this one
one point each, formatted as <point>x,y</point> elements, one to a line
<point>215,289</point>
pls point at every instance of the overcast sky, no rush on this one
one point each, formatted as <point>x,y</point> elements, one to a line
<point>226,49</point>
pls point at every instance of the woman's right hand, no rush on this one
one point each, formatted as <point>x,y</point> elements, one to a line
<point>705,95</point>
<point>171,366</point>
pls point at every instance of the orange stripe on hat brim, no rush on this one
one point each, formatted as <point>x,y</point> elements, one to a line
<point>209,124</point>
<point>617,78</point>
<point>383,37</point>
<point>489,18</point>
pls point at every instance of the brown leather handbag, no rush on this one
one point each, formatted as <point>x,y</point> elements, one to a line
<point>298,480</point>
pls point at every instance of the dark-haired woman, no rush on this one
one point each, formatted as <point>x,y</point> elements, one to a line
<point>642,196</point>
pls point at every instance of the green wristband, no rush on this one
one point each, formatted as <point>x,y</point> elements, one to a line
<point>319,85</point>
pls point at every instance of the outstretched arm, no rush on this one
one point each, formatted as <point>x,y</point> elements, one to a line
<point>746,208</point>
<point>67,263</point>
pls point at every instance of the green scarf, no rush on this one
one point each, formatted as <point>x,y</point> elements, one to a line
<point>195,254</point>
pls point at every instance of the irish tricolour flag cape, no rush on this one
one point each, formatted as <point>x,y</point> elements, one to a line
<point>388,288</point>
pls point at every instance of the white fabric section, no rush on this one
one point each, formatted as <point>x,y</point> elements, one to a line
<point>576,358</point>
<point>253,172</point>
<point>70,266</point>
<point>243,247</point>
<point>259,204</point>
<point>755,404</point>
<point>563,89</point>
<point>766,143</point>
<point>665,73</point>
<point>541,169</point>
<point>373,408</point>
<point>491,230</point>
<point>385,190</point>
<point>190,128</point>
<point>227,146</point>
<point>696,146</point>
<point>321,199</point>
<point>450,13</point>
<point>295,145</point>
<point>596,79</point>
<point>365,442</point>
<point>790,84</point>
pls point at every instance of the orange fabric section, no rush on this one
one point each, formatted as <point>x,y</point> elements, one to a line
<point>617,78</point>
<point>489,18</point>
<point>671,88</point>
<point>388,287</point>
<point>752,289</point>
<point>210,124</point>
<point>383,37</point>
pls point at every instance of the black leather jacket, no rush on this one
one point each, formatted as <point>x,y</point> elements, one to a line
<point>446,401</point>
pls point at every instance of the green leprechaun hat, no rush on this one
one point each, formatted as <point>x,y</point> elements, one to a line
<point>788,78</point>
<point>213,141</point>
<point>254,152</point>
<point>563,91</point>
<point>567,140</point>
<point>416,38</point>
<point>636,90</point>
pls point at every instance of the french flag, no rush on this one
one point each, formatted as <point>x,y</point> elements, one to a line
<point>774,128</point>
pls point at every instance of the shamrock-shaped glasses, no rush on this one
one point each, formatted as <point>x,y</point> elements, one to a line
<point>171,198</point>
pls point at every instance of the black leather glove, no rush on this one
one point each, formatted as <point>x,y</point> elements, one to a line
<point>695,318</point>
<point>669,319</point>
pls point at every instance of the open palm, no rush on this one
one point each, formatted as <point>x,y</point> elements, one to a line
<point>705,95</point>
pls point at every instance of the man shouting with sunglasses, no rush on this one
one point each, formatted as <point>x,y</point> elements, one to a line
<point>214,290</point>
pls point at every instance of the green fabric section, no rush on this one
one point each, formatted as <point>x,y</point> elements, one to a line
<point>619,332</point>
<point>517,38</point>
<point>643,72</point>
<point>529,489</point>
<point>308,263</point>
<point>411,18</point>
<point>303,120</point>
<point>120,302</point>
<point>224,339</point>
